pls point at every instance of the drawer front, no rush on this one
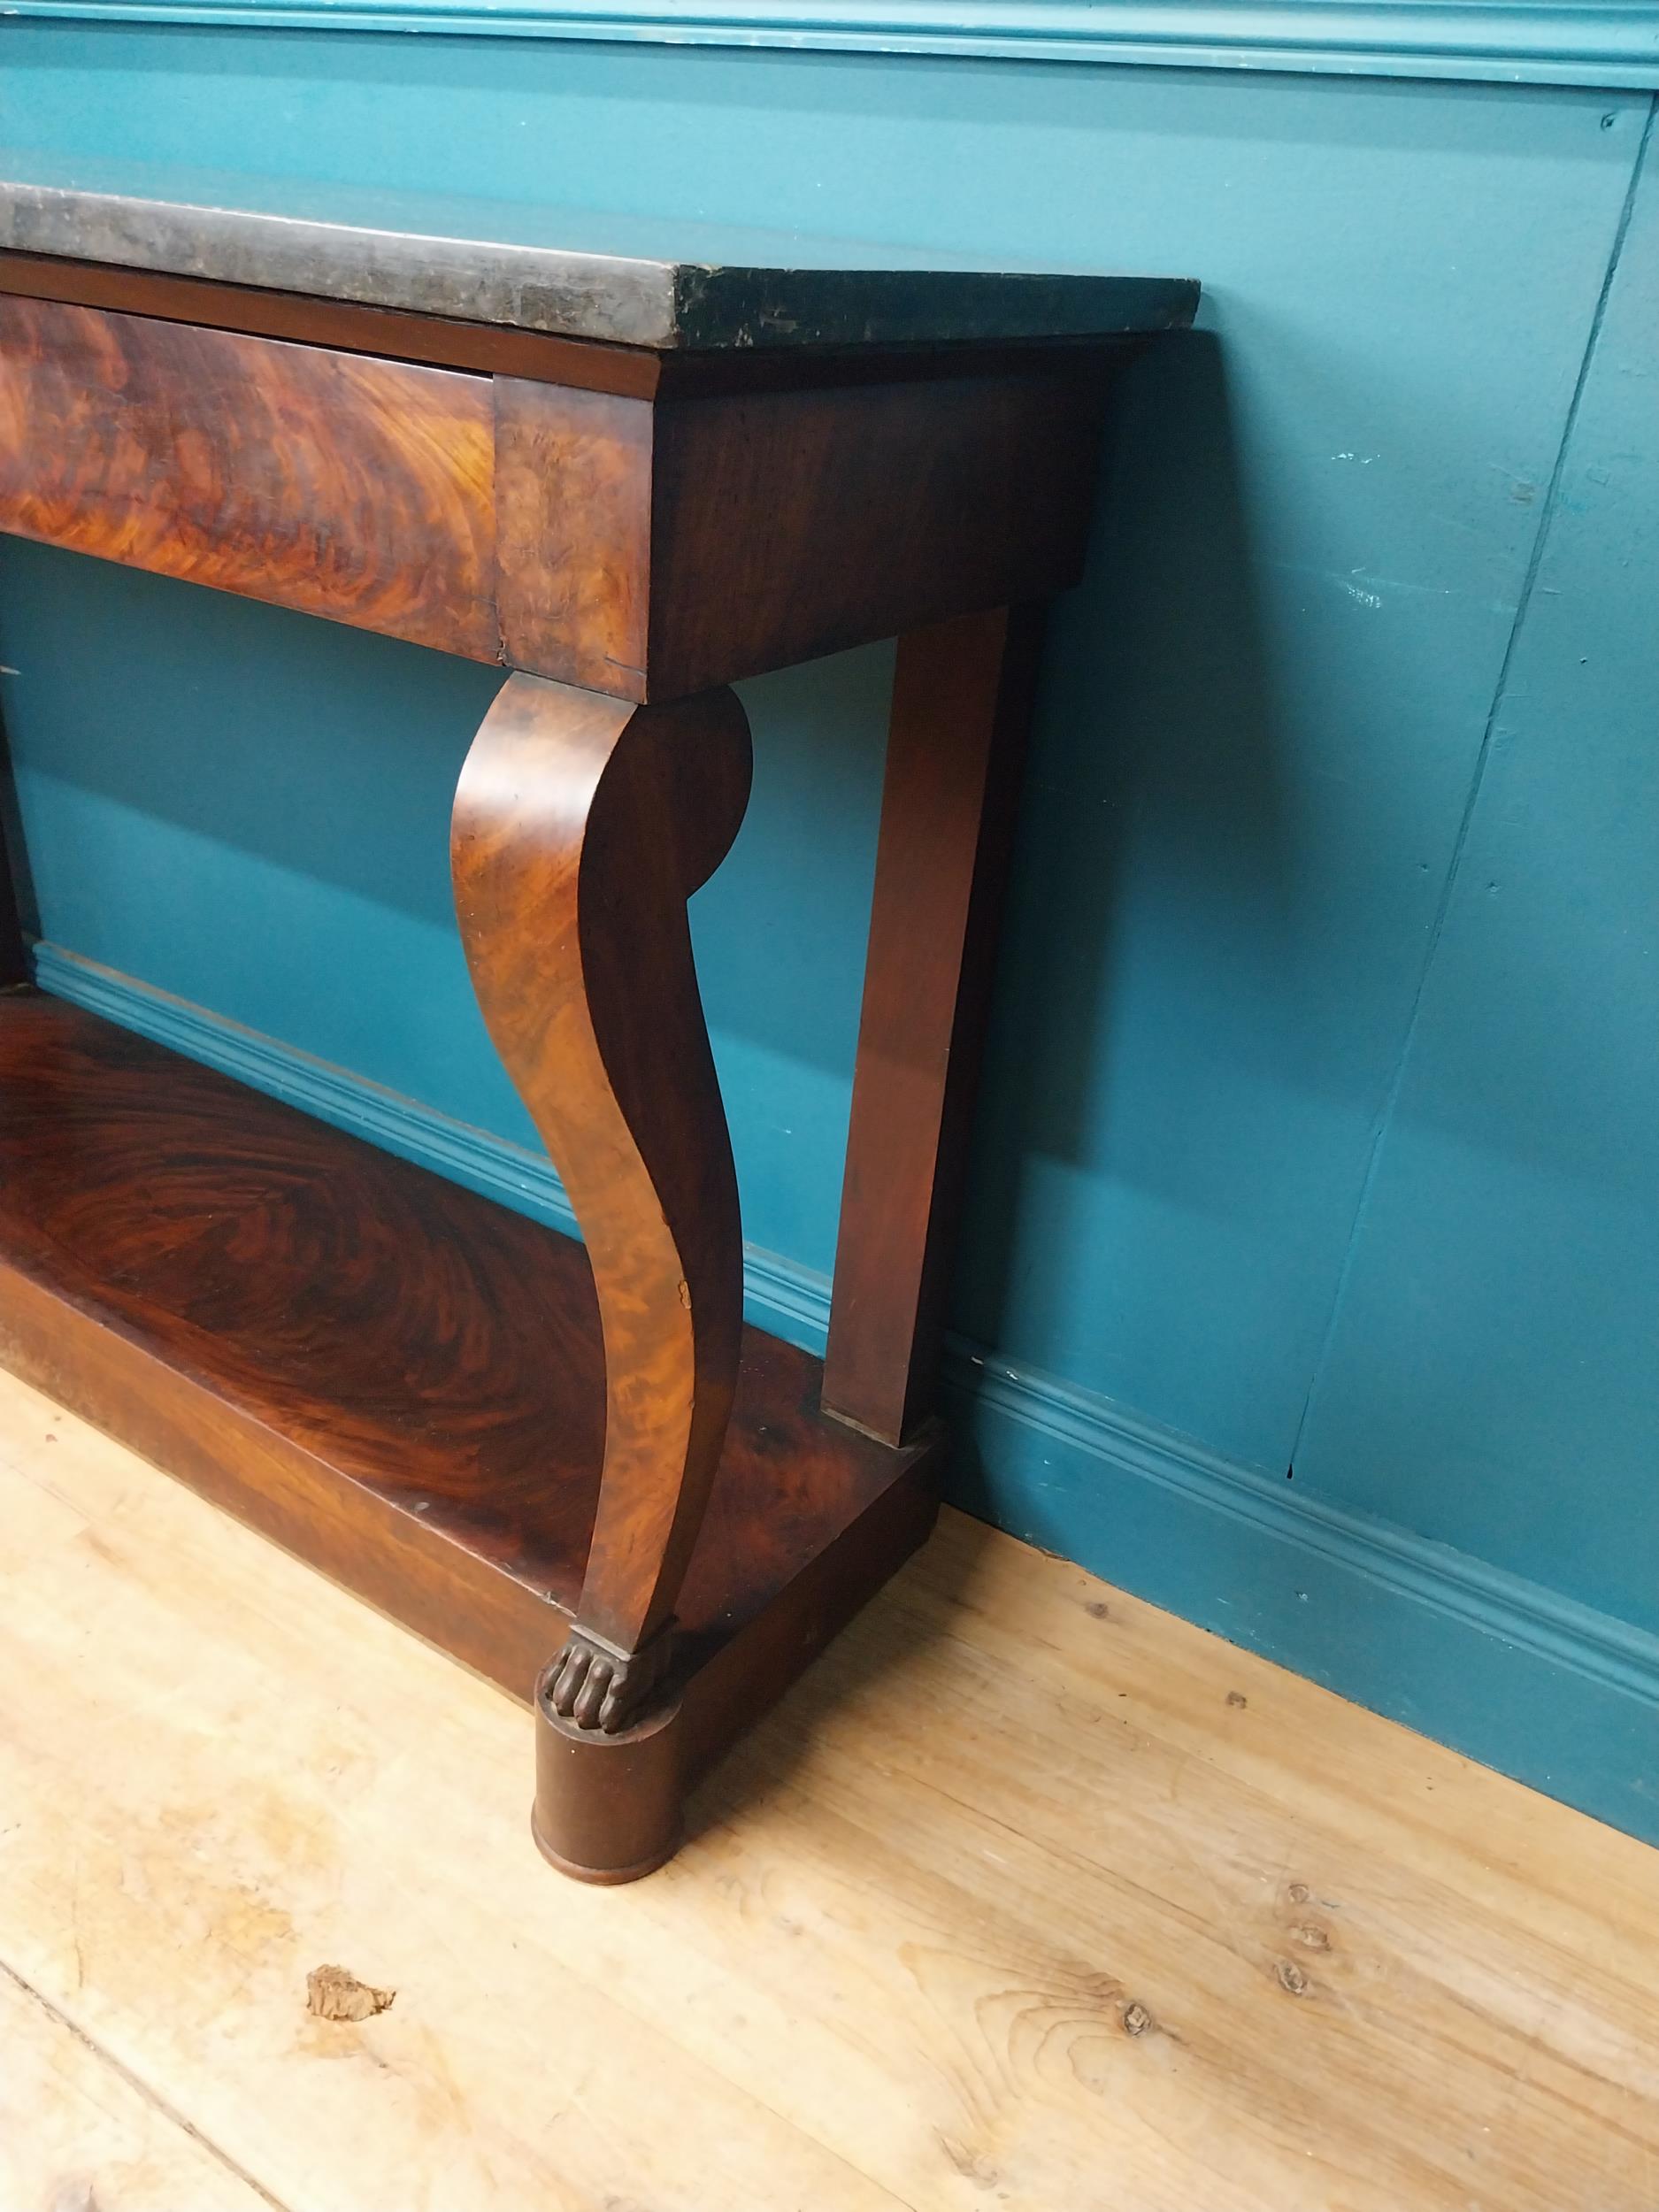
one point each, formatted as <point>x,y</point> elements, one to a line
<point>342,484</point>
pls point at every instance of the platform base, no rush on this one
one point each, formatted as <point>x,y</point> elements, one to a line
<point>402,1383</point>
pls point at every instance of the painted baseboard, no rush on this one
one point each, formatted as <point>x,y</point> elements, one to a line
<point>1614,43</point>
<point>1562,1696</point>
<point>1522,1679</point>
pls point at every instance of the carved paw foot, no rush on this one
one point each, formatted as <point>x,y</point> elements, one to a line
<point>599,1687</point>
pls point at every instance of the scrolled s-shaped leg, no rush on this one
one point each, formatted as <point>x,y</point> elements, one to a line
<point>583,824</point>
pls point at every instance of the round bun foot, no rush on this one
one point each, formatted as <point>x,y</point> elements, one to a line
<point>607,1807</point>
<point>600,1876</point>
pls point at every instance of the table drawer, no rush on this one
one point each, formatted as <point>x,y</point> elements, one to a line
<point>339,484</point>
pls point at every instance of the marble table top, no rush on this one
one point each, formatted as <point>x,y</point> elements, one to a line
<point>629,280</point>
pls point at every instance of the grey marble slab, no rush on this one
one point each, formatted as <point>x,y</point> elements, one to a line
<point>632,280</point>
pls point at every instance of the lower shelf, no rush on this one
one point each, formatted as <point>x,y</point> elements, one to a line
<point>398,1380</point>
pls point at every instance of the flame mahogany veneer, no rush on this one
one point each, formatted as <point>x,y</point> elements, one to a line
<point>398,1379</point>
<point>634,546</point>
<point>572,1467</point>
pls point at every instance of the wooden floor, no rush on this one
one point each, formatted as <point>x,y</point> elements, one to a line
<point>1029,1897</point>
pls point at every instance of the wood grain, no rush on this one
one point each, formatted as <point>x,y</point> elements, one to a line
<point>78,2133</point>
<point>643,546</point>
<point>396,1379</point>
<point>581,828</point>
<point>573,499</point>
<point>786,524</point>
<point>353,488</point>
<point>654,551</point>
<point>956,747</point>
<point>898,1964</point>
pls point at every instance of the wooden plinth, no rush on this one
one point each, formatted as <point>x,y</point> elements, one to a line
<point>403,1383</point>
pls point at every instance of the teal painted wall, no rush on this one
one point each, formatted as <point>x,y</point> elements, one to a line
<point>1311,1285</point>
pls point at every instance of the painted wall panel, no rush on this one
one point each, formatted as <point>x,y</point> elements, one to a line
<point>1503,1298</point>
<point>1261,723</point>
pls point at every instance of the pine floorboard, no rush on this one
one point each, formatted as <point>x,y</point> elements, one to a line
<point>1028,1899</point>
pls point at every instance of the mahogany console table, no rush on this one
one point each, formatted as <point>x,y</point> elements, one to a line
<point>629,476</point>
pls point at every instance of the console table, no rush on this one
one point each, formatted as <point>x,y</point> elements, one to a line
<point>630,469</point>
